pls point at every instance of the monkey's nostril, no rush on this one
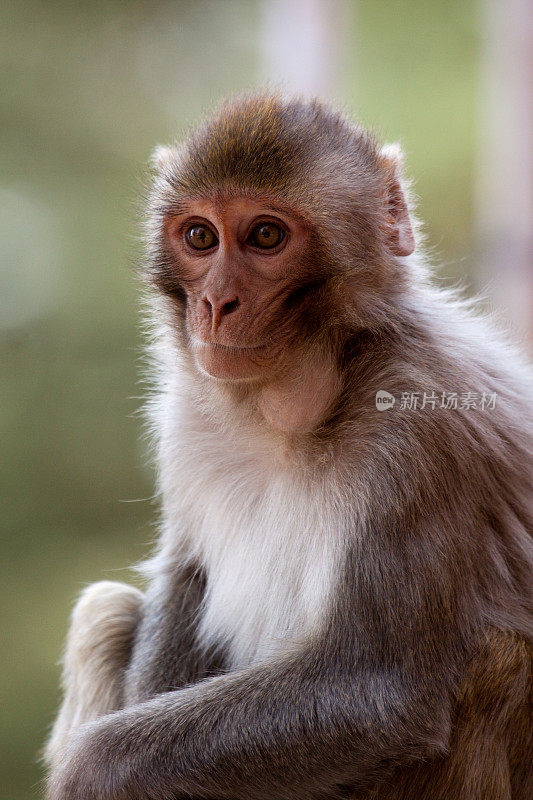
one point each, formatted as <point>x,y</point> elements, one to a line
<point>220,308</point>
<point>229,306</point>
<point>217,309</point>
<point>209,305</point>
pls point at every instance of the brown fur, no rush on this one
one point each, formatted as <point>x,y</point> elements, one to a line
<point>414,680</point>
<point>492,737</point>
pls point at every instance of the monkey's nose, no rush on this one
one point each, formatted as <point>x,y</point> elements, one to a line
<point>218,309</point>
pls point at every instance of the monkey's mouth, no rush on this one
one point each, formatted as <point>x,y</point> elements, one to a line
<point>231,361</point>
<point>236,349</point>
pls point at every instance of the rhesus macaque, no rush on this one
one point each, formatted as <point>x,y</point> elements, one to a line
<point>340,604</point>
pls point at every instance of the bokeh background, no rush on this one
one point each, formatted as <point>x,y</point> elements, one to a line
<point>88,89</point>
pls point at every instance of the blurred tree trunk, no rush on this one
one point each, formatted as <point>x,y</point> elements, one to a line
<point>505,184</point>
<point>303,44</point>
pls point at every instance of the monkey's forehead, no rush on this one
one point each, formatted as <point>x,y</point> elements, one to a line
<point>264,143</point>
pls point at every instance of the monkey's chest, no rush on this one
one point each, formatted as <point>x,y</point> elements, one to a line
<point>270,560</point>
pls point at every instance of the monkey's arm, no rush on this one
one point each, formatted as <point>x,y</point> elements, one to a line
<point>265,733</point>
<point>340,713</point>
<point>98,648</point>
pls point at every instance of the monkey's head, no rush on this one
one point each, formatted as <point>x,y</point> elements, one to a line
<point>275,228</point>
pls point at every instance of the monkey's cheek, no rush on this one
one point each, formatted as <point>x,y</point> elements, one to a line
<point>229,365</point>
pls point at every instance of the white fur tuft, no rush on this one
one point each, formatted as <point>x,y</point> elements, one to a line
<point>394,154</point>
<point>161,157</point>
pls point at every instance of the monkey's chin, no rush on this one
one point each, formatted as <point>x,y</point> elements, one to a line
<point>231,363</point>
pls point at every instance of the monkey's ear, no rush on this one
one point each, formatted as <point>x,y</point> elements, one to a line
<point>397,223</point>
<point>161,157</point>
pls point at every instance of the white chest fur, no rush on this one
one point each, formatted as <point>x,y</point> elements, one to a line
<point>268,539</point>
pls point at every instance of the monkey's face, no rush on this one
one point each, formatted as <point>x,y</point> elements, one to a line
<point>240,264</point>
<point>275,228</point>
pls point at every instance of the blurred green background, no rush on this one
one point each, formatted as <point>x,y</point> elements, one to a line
<point>88,90</point>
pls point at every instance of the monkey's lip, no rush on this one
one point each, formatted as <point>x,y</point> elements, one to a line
<point>231,362</point>
<point>236,349</point>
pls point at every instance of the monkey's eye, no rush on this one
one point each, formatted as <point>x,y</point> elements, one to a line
<point>200,237</point>
<point>266,235</point>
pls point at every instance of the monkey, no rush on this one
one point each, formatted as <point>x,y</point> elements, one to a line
<point>339,604</point>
